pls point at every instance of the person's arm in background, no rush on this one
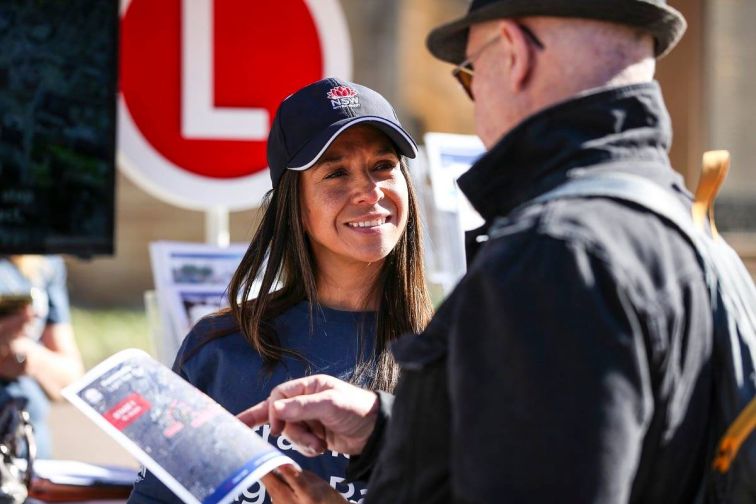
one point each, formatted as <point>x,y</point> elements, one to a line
<point>54,361</point>
<point>14,324</point>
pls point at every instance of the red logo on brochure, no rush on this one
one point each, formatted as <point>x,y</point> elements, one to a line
<point>127,411</point>
<point>341,92</point>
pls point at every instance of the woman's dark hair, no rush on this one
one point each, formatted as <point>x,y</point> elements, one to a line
<point>279,265</point>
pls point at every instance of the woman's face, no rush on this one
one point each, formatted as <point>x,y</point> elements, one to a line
<point>354,200</point>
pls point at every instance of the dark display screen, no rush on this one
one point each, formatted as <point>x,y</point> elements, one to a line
<point>58,62</point>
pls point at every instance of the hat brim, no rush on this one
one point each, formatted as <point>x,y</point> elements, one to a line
<point>448,42</point>
<point>309,154</point>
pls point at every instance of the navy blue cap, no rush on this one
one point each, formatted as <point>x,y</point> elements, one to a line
<point>308,121</point>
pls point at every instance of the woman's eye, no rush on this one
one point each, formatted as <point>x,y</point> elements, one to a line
<point>339,172</point>
<point>386,166</point>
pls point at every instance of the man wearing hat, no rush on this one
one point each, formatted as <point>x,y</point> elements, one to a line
<point>573,362</point>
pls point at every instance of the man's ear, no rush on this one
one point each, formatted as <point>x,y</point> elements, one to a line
<point>519,60</point>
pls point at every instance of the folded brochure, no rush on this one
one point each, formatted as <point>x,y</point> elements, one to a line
<point>203,453</point>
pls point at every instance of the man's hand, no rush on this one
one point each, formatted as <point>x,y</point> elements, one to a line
<point>290,486</point>
<point>318,413</point>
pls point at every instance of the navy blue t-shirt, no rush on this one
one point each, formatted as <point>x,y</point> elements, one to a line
<point>230,371</point>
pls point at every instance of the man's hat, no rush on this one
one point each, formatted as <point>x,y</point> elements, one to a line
<point>308,121</point>
<point>448,42</point>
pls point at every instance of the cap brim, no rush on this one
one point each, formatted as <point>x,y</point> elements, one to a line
<point>314,149</point>
<point>448,42</point>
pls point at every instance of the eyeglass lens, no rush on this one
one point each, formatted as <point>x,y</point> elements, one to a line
<point>464,72</point>
<point>464,76</point>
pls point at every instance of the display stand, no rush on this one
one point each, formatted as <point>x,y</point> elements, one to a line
<point>216,226</point>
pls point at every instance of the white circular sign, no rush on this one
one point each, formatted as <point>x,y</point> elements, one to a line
<point>200,83</point>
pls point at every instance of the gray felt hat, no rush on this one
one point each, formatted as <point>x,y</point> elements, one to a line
<point>448,42</point>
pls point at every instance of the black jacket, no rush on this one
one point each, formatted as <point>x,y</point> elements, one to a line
<point>572,362</point>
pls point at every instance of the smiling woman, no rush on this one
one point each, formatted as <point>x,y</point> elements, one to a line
<point>337,261</point>
<point>354,210</point>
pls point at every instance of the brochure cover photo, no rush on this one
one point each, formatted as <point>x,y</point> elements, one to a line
<point>194,446</point>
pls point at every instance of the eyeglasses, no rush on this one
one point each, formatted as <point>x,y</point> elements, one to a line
<point>464,72</point>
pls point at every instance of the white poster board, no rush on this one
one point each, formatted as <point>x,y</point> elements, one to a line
<point>449,156</point>
<point>195,153</point>
<point>448,213</point>
<point>191,281</point>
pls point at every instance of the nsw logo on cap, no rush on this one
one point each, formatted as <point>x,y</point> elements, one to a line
<point>343,97</point>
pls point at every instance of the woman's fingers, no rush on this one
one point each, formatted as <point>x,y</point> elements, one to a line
<point>279,490</point>
<point>309,488</point>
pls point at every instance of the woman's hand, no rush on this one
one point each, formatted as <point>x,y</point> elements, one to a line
<point>290,486</point>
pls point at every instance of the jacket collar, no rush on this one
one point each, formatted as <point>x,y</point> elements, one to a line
<point>608,125</point>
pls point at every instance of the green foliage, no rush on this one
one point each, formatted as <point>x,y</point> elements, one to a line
<point>100,333</point>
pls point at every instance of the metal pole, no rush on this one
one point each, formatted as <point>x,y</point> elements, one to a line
<point>216,226</point>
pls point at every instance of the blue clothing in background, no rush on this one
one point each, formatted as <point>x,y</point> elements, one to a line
<point>48,290</point>
<point>51,306</point>
<point>230,371</point>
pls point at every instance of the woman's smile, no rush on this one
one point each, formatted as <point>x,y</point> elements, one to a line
<point>355,199</point>
<point>369,223</point>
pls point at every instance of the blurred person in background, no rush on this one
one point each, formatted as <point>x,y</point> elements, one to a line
<point>38,352</point>
<point>337,261</point>
<point>573,362</point>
